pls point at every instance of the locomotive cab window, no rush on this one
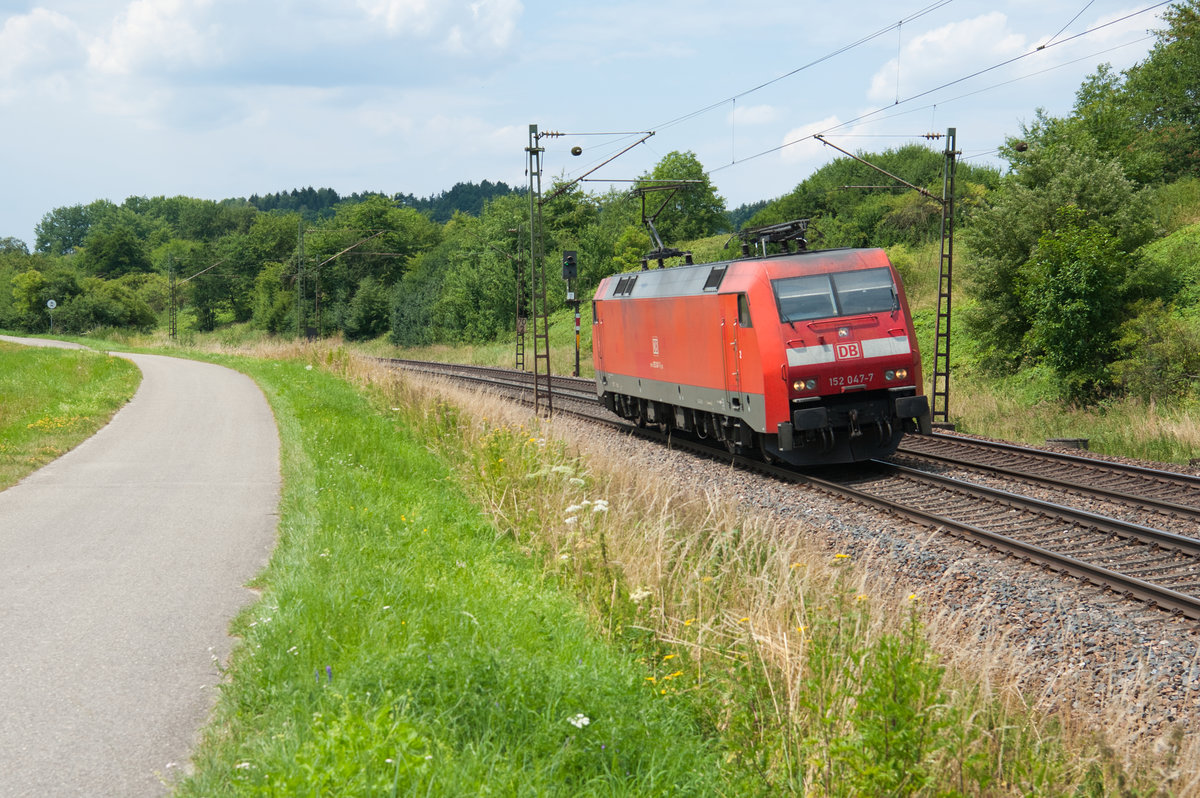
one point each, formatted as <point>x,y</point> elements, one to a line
<point>804,298</point>
<point>865,291</point>
<point>819,296</point>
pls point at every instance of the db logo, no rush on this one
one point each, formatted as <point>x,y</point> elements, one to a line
<point>654,345</point>
<point>848,351</point>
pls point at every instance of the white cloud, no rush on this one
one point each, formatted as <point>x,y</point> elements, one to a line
<point>754,114</point>
<point>157,35</point>
<point>39,43</point>
<point>460,27</point>
<point>801,148</point>
<point>949,51</point>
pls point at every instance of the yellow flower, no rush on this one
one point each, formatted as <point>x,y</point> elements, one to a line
<point>841,556</point>
<point>689,622</point>
<point>669,656</point>
<point>912,596</point>
<point>743,620</point>
<point>797,565</point>
<point>861,597</point>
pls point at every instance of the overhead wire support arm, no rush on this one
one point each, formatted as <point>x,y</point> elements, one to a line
<point>597,167</point>
<point>917,189</point>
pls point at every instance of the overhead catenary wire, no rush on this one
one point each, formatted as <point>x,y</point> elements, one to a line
<point>832,54</point>
<point>1071,22</point>
<point>977,73</point>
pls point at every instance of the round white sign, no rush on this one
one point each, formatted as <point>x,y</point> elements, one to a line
<point>52,304</point>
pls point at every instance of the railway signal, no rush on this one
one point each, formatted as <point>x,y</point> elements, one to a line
<point>570,272</point>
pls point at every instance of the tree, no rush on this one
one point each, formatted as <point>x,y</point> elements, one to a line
<point>10,245</point>
<point>367,313</point>
<point>1164,92</point>
<point>1005,234</point>
<point>1071,287</point>
<point>695,210</point>
<point>114,252</point>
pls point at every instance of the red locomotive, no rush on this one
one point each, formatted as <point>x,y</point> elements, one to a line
<point>807,357</point>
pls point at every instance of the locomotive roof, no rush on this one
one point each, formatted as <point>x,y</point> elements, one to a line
<point>708,278</point>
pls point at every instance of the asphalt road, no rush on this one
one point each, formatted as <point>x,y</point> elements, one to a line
<point>121,566</point>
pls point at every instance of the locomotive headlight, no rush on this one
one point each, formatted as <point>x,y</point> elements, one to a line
<point>895,374</point>
<point>804,385</point>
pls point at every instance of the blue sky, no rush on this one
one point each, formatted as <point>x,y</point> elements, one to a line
<point>221,98</point>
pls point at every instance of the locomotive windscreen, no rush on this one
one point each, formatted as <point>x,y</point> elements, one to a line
<point>819,296</point>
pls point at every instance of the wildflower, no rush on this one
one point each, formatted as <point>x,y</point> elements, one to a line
<point>861,597</point>
<point>841,556</point>
<point>743,620</point>
<point>579,721</point>
<point>651,679</point>
<point>689,622</point>
<point>571,520</point>
<point>308,367</point>
<point>576,481</point>
<point>600,507</point>
<point>574,508</point>
<point>797,565</point>
<point>912,596</point>
<point>246,765</point>
<point>640,595</point>
<point>669,656</point>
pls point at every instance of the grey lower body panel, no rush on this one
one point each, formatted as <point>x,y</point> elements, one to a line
<point>749,408</point>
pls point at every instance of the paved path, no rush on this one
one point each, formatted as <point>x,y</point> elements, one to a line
<point>121,565</point>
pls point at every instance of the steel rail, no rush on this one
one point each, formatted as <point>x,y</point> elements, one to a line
<point>1145,534</point>
<point>1148,502</point>
<point>1152,473</point>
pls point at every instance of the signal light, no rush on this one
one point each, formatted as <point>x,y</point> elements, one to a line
<point>569,266</point>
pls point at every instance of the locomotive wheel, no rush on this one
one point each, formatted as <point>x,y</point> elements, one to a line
<point>760,442</point>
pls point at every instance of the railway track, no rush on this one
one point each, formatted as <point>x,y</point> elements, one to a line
<point>1141,562</point>
<point>1166,492</point>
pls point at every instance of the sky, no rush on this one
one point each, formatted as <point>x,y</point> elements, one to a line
<point>108,99</point>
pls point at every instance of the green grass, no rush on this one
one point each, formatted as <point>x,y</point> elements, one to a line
<point>53,399</point>
<point>402,646</point>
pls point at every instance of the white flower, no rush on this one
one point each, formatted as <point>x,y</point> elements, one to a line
<point>640,595</point>
<point>579,721</point>
<point>574,508</point>
<point>243,766</point>
<point>308,367</point>
<point>601,506</point>
<point>576,481</point>
<point>570,520</point>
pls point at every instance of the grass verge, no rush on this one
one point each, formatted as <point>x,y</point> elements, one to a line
<point>53,399</point>
<point>403,646</point>
<point>819,678</point>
